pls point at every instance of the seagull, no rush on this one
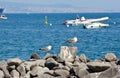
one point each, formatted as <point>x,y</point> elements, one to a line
<point>72,40</point>
<point>47,48</point>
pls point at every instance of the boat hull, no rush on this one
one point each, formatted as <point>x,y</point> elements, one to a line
<point>96,25</point>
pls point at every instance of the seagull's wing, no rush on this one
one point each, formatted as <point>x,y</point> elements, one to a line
<point>44,49</point>
<point>70,41</point>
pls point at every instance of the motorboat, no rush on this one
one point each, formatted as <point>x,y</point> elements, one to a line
<point>87,23</point>
<point>83,21</point>
<point>3,17</point>
<point>95,25</point>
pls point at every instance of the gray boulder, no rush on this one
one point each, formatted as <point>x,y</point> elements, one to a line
<point>29,64</point>
<point>110,57</point>
<point>14,61</point>
<point>21,70</point>
<point>92,75</point>
<point>62,72</point>
<point>54,56</point>
<point>38,71</point>
<point>27,75</point>
<point>51,63</point>
<point>44,76</point>
<point>35,56</point>
<point>3,67</point>
<point>14,74</point>
<point>98,66</point>
<point>83,58</point>
<point>10,68</point>
<point>113,72</point>
<point>1,74</point>
<point>80,72</point>
<point>68,53</point>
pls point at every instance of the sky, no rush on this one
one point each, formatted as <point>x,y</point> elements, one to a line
<point>38,6</point>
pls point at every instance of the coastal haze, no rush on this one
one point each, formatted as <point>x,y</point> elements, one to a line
<point>54,6</point>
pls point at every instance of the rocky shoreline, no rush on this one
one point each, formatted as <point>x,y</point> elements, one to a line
<point>64,65</point>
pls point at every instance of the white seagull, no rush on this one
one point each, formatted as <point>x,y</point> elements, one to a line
<point>72,40</point>
<point>47,48</point>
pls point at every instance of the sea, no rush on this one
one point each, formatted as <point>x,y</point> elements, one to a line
<point>23,34</point>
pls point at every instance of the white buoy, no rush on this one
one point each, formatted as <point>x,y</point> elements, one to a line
<point>114,22</point>
<point>67,25</point>
<point>50,24</point>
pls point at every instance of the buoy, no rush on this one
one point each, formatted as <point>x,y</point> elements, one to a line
<point>67,25</point>
<point>50,24</point>
<point>46,21</point>
<point>114,22</point>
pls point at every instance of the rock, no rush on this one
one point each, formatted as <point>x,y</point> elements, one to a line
<point>59,60</point>
<point>62,72</point>
<point>80,72</point>
<point>62,67</point>
<point>72,77</point>
<point>29,64</point>
<point>99,60</point>
<point>35,56</point>
<point>60,77</point>
<point>98,66</point>
<point>69,64</point>
<point>68,54</point>
<point>27,75</point>
<point>50,72</point>
<point>77,59</point>
<point>92,75</point>
<point>37,70</point>
<point>14,61</point>
<point>73,51</point>
<point>10,68</point>
<point>21,70</point>
<point>1,74</point>
<point>54,56</point>
<point>44,76</point>
<point>118,62</point>
<point>110,73</point>
<point>42,63</point>
<point>110,57</point>
<point>14,74</point>
<point>3,67</point>
<point>82,66</point>
<point>83,58</point>
<point>51,63</point>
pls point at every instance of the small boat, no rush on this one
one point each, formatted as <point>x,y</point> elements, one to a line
<point>95,25</point>
<point>83,21</point>
<point>87,23</point>
<point>1,14</point>
<point>3,17</point>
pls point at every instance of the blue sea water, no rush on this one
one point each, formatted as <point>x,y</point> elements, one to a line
<point>23,34</point>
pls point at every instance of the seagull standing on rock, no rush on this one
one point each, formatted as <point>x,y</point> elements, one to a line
<point>72,40</point>
<point>47,48</point>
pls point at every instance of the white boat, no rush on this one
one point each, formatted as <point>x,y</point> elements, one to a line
<point>3,17</point>
<point>1,14</point>
<point>95,25</point>
<point>83,21</point>
<point>87,23</point>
